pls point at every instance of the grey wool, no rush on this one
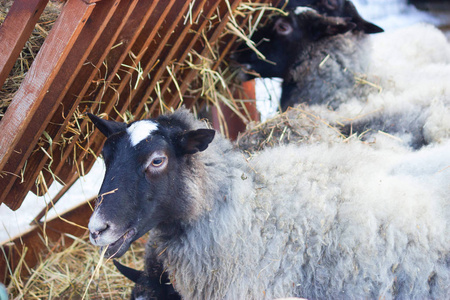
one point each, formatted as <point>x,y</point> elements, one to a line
<point>329,220</point>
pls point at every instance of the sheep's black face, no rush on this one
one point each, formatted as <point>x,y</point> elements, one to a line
<point>142,183</point>
<point>276,42</point>
<point>284,40</point>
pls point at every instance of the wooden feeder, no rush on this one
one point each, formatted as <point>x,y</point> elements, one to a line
<point>121,59</point>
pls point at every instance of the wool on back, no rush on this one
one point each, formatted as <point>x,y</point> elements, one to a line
<point>328,220</point>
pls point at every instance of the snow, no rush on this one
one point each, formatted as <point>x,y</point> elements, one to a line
<point>389,14</point>
<point>16,222</point>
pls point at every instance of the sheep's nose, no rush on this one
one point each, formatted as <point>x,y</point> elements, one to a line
<point>96,233</point>
<point>97,226</point>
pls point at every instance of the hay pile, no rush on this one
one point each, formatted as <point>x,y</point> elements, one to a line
<point>29,51</point>
<point>296,125</point>
<point>77,272</point>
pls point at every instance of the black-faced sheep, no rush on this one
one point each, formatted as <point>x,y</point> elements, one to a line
<point>387,95</point>
<point>314,54</point>
<point>328,220</point>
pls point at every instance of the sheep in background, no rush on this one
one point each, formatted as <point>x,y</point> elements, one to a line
<point>314,54</point>
<point>327,220</point>
<point>412,69</point>
<point>403,89</point>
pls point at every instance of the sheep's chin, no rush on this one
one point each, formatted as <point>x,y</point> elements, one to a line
<point>119,247</point>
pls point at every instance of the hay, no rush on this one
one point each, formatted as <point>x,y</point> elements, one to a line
<point>29,51</point>
<point>296,125</point>
<point>217,81</point>
<point>76,272</point>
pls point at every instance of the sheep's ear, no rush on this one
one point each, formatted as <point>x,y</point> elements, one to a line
<point>329,26</point>
<point>132,274</point>
<point>361,24</point>
<point>107,127</point>
<point>194,141</point>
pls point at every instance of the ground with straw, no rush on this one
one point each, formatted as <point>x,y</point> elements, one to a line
<point>79,271</point>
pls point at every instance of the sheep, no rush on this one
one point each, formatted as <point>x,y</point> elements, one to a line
<point>325,220</point>
<point>316,56</point>
<point>412,69</point>
<point>389,94</point>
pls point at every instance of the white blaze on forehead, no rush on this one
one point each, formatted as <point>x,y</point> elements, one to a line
<point>301,9</point>
<point>140,130</point>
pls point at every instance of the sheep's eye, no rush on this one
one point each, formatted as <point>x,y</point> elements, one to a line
<point>158,162</point>
<point>282,27</point>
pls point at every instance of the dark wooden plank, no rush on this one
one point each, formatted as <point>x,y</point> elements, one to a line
<point>15,31</point>
<point>180,47</point>
<point>25,120</point>
<point>189,41</point>
<point>212,38</point>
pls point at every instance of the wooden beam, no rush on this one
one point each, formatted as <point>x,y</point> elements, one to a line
<point>64,95</point>
<point>15,31</point>
<point>27,114</point>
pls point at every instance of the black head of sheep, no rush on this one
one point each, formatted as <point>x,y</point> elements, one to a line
<point>155,152</point>
<point>283,39</point>
<point>336,8</point>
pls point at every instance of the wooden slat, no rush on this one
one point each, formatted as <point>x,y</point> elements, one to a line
<point>95,42</point>
<point>182,45</point>
<point>15,31</point>
<point>174,101</point>
<point>115,61</point>
<point>27,115</point>
<point>214,35</point>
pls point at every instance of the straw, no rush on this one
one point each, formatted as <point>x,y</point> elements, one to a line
<point>77,271</point>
